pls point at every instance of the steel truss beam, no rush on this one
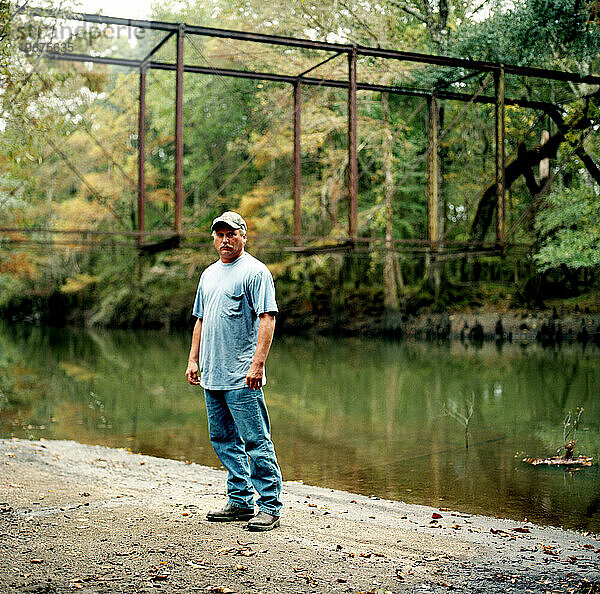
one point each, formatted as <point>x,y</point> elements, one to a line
<point>156,48</point>
<point>360,50</point>
<point>318,82</point>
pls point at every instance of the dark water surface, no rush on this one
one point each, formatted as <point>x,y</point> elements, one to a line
<point>364,415</point>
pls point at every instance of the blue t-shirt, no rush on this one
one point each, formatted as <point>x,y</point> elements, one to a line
<point>229,299</point>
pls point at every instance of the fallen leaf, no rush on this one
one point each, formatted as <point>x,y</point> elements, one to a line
<point>436,516</point>
<point>36,560</point>
<point>197,564</point>
<point>246,552</point>
<point>498,531</point>
<point>521,529</point>
<point>548,550</point>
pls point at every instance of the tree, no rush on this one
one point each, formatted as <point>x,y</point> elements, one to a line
<point>77,130</point>
<point>569,228</point>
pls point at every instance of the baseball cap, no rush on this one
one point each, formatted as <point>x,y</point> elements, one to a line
<point>231,219</point>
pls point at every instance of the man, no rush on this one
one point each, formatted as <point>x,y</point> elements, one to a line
<point>235,309</point>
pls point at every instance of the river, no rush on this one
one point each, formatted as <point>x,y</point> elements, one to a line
<point>377,417</point>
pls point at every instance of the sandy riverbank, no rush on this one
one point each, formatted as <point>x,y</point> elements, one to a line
<point>95,519</point>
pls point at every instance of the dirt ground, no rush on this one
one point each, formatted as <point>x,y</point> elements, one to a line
<point>95,519</point>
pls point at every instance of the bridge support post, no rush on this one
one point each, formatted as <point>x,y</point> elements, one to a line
<point>297,163</point>
<point>141,158</point>
<point>352,149</point>
<point>179,132</point>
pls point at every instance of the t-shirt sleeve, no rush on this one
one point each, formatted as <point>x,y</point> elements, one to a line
<point>198,310</point>
<point>262,293</point>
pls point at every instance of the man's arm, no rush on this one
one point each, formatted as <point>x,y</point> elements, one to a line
<point>191,373</point>
<point>266,327</point>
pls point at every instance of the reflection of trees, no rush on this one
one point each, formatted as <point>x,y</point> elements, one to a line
<point>568,382</point>
<point>592,514</point>
<point>389,430</point>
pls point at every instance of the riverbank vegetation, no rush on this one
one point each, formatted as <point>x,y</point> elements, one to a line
<point>68,149</point>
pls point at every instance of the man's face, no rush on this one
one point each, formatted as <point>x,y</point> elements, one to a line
<point>229,242</point>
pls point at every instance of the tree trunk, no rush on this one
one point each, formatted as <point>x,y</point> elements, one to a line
<point>389,271</point>
<point>523,165</point>
<point>526,159</point>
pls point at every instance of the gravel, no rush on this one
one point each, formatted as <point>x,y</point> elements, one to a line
<point>94,519</point>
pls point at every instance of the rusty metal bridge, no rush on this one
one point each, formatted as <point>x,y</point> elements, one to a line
<point>178,32</point>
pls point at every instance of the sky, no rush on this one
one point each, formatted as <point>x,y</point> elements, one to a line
<point>131,9</point>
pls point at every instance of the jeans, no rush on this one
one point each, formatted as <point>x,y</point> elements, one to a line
<point>240,433</point>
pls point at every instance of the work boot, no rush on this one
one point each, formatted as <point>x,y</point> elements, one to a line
<point>230,513</point>
<point>262,521</point>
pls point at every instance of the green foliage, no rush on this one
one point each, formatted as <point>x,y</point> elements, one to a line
<point>68,151</point>
<point>570,229</point>
<point>534,32</point>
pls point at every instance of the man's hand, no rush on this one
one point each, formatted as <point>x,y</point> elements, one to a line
<point>191,373</point>
<point>254,377</point>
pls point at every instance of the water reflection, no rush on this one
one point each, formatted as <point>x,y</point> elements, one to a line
<point>363,415</point>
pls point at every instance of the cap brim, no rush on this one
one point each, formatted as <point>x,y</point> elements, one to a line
<point>226,224</point>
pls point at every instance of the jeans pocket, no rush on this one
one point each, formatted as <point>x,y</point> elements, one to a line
<point>232,305</point>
